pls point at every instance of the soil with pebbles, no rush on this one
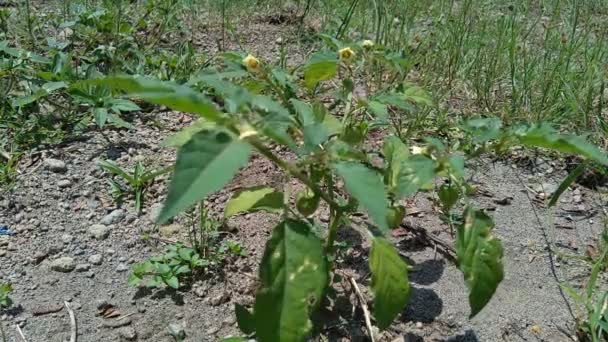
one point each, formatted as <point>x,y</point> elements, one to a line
<point>74,244</point>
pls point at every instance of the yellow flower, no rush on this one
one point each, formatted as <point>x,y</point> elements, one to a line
<point>367,44</point>
<point>253,64</point>
<point>346,54</point>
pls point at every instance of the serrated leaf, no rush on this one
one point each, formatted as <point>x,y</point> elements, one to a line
<point>389,282</point>
<point>204,164</point>
<point>254,199</point>
<point>544,135</point>
<point>322,66</point>
<point>366,186</point>
<point>245,319</point>
<point>479,257</point>
<point>293,276</point>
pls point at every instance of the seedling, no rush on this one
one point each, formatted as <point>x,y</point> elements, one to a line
<point>138,180</point>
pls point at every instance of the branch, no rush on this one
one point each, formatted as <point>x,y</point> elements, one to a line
<point>72,322</point>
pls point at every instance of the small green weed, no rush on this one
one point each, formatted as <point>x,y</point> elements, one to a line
<point>138,180</point>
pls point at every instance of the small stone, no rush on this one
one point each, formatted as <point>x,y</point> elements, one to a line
<point>67,238</point>
<point>64,183</point>
<point>83,267</point>
<point>39,257</point>
<point>55,165</point>
<point>101,304</point>
<point>113,217</point>
<point>63,264</point>
<point>177,330</point>
<point>213,330</point>
<point>118,323</point>
<point>99,231</point>
<point>96,259</point>
<point>219,299</point>
<point>127,333</point>
<point>418,325</point>
<point>169,230</point>
<point>122,268</point>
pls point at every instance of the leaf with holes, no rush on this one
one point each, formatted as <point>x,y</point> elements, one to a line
<point>293,276</point>
<point>389,282</point>
<point>479,257</point>
<point>204,164</point>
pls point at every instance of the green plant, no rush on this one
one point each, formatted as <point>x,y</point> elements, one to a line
<point>170,268</point>
<point>592,302</point>
<point>5,291</point>
<point>138,180</point>
<point>268,106</point>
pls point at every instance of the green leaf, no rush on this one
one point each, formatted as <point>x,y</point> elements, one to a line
<point>567,182</point>
<point>205,164</point>
<point>245,319</point>
<point>173,282</point>
<point>366,186</point>
<point>389,282</point>
<point>293,275</point>
<point>479,257</point>
<point>417,95</point>
<point>254,199</point>
<point>182,137</point>
<point>448,195</point>
<point>321,67</point>
<point>483,129</point>
<point>544,135</point>
<point>396,154</point>
<point>123,105</point>
<point>379,110</point>
<point>101,116</point>
<point>176,97</point>
<point>415,173</point>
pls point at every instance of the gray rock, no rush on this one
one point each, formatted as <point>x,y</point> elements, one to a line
<point>96,259</point>
<point>55,165</point>
<point>99,231</point>
<point>83,267</point>
<point>63,264</point>
<point>113,217</point>
<point>67,238</point>
<point>127,333</point>
<point>122,268</point>
<point>64,183</point>
<point>177,330</point>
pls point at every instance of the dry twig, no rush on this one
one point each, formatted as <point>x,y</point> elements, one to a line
<point>21,334</point>
<point>74,332</point>
<point>368,322</point>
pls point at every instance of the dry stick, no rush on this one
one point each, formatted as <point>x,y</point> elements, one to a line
<point>21,334</point>
<point>368,322</point>
<point>72,322</point>
<point>447,250</point>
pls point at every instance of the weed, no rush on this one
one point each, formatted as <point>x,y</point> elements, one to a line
<point>137,180</point>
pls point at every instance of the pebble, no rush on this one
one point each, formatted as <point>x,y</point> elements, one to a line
<point>177,330</point>
<point>113,217</point>
<point>122,268</point>
<point>127,333</point>
<point>83,267</point>
<point>67,238</point>
<point>64,183</point>
<point>55,165</point>
<point>96,259</point>
<point>63,264</point>
<point>99,231</point>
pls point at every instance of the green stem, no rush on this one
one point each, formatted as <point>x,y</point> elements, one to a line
<point>334,223</point>
<point>294,171</point>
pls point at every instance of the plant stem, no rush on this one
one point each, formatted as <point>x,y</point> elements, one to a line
<point>333,232</point>
<point>294,171</point>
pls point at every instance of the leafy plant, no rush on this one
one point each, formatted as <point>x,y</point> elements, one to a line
<point>269,106</point>
<point>138,180</point>
<point>5,291</point>
<point>177,263</point>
